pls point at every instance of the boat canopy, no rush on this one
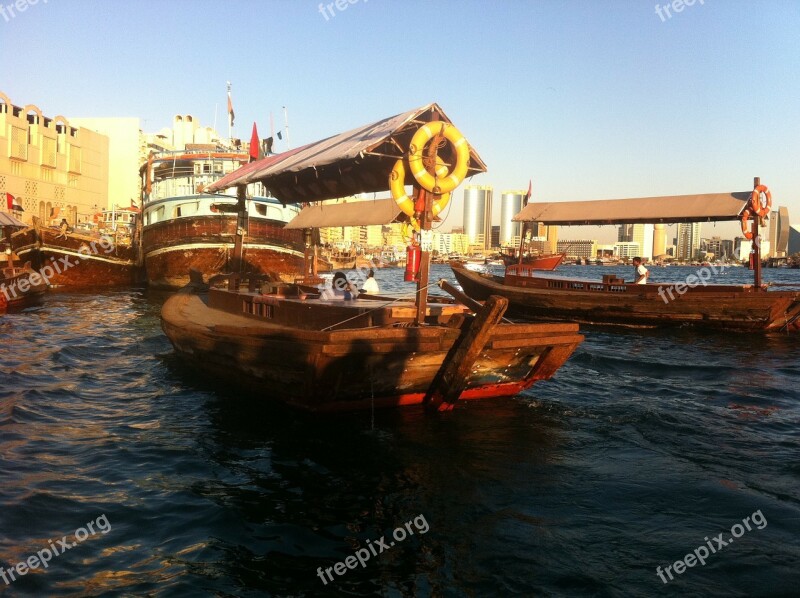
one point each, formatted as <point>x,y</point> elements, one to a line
<point>353,213</point>
<point>358,161</point>
<point>669,209</point>
<point>8,219</point>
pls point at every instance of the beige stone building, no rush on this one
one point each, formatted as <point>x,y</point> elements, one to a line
<point>124,142</point>
<point>53,169</point>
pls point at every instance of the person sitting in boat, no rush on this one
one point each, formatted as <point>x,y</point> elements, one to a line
<point>64,228</point>
<point>340,288</point>
<point>370,285</point>
<point>641,272</point>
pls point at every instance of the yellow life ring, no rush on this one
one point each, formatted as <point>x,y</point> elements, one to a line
<point>397,184</point>
<point>404,202</point>
<point>434,183</point>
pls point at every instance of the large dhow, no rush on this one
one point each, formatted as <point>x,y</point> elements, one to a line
<point>697,303</point>
<point>319,354</point>
<point>81,259</point>
<point>185,228</point>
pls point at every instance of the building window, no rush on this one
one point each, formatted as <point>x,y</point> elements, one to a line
<point>19,143</point>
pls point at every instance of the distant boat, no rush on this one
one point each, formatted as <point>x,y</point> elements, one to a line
<point>186,228</point>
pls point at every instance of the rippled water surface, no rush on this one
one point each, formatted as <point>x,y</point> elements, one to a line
<point>644,444</point>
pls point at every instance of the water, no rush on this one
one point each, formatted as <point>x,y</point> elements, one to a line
<point>642,445</point>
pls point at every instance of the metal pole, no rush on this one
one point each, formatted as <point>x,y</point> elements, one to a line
<point>756,244</point>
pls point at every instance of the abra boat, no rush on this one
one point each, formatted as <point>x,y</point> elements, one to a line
<point>612,301</point>
<point>80,259</point>
<point>545,261</point>
<point>185,228</point>
<point>329,354</point>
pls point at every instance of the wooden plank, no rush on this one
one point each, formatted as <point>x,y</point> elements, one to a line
<point>451,380</point>
<point>523,343</point>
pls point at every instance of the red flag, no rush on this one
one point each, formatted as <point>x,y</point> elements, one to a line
<point>10,201</point>
<point>254,145</point>
<point>230,107</point>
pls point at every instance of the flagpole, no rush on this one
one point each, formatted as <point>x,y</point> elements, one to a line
<point>230,103</point>
<point>286,124</point>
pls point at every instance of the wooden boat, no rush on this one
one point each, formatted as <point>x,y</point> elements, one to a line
<point>545,261</point>
<point>612,301</point>
<point>338,355</point>
<point>329,354</point>
<point>78,260</point>
<point>186,229</point>
<point>19,286</point>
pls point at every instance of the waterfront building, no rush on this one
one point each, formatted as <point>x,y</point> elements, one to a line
<point>124,157</point>
<point>627,249</point>
<point>478,215</point>
<point>51,167</point>
<point>582,248</point>
<point>716,247</point>
<point>510,206</point>
<point>688,241</point>
<point>742,248</point>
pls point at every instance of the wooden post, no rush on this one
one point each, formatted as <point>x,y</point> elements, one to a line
<point>451,380</point>
<point>756,244</point>
<point>241,223</point>
<point>425,221</point>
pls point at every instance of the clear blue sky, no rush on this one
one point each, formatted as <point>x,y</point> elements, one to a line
<point>590,99</point>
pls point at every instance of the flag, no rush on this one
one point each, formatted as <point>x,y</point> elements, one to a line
<point>10,201</point>
<point>279,135</point>
<point>267,146</point>
<point>255,153</point>
<point>528,195</point>
<point>230,107</point>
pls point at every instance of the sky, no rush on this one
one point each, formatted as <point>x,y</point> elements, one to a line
<point>588,99</point>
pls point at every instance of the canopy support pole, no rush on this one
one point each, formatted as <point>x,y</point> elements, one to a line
<point>756,244</point>
<point>238,240</point>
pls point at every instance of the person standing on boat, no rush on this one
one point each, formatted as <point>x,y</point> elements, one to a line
<point>370,285</point>
<point>641,272</point>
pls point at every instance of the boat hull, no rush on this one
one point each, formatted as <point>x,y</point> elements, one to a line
<point>77,261</point>
<point>651,305</point>
<point>352,369</point>
<point>541,262</point>
<point>205,243</point>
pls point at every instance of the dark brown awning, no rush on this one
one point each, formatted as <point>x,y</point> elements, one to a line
<point>8,219</point>
<point>352,213</point>
<point>358,161</point>
<point>638,210</point>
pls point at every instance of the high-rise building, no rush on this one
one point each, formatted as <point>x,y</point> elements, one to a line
<point>638,233</point>
<point>643,235</point>
<point>659,240</point>
<point>52,168</point>
<point>794,239</point>
<point>688,240</point>
<point>717,247</point>
<point>778,232</point>
<point>510,206</point>
<point>478,214</point>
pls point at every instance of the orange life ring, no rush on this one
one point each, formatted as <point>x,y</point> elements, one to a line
<point>748,234</point>
<point>757,204</point>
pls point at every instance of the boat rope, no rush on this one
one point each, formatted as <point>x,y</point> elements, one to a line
<point>381,306</point>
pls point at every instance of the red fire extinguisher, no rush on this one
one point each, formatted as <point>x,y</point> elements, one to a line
<point>413,259</point>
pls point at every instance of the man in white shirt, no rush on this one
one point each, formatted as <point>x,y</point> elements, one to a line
<point>641,271</point>
<point>370,285</point>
